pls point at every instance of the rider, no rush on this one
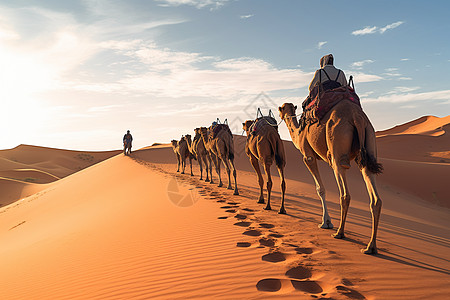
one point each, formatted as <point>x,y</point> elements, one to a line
<point>127,139</point>
<point>328,72</point>
<point>328,77</point>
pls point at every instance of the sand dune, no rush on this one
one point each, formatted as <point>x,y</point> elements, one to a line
<point>133,228</point>
<point>57,162</point>
<point>25,169</point>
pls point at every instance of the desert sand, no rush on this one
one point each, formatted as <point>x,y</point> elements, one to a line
<point>119,227</point>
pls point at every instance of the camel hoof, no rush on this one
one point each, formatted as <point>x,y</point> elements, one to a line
<point>267,208</point>
<point>282,211</point>
<point>182,172</point>
<point>229,187</point>
<point>338,235</point>
<point>207,180</point>
<point>326,225</point>
<point>220,184</point>
<point>261,201</point>
<point>211,182</point>
<point>192,174</point>
<point>236,193</point>
<point>369,250</point>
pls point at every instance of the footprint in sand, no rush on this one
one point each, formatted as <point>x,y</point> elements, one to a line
<point>265,225</point>
<point>274,285</point>
<point>299,272</point>
<point>230,211</point>
<point>243,244</point>
<point>307,286</point>
<point>350,293</point>
<point>226,206</point>
<point>242,224</point>
<point>240,217</point>
<point>252,232</point>
<point>269,285</point>
<point>274,257</point>
<point>303,250</point>
<point>219,201</point>
<point>222,218</point>
<point>276,235</point>
<point>267,242</point>
<point>249,209</point>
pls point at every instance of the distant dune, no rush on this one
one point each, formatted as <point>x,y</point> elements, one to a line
<point>27,167</point>
<point>124,227</point>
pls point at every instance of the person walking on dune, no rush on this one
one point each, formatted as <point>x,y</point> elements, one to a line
<point>127,139</point>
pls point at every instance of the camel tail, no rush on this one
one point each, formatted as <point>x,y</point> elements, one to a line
<point>278,150</point>
<point>231,149</point>
<point>367,156</point>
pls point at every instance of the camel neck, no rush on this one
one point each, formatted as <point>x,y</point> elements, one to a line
<point>293,126</point>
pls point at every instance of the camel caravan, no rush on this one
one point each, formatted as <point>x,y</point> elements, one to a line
<point>332,128</point>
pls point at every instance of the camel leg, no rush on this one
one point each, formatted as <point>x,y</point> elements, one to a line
<point>190,162</point>
<point>199,159</point>
<point>183,164</point>
<point>311,163</point>
<point>178,163</point>
<point>339,173</point>
<point>218,171</point>
<point>227,166</point>
<point>255,165</point>
<point>283,190</point>
<point>236,191</point>
<point>212,160</point>
<point>375,209</point>
<point>269,184</point>
<point>205,160</point>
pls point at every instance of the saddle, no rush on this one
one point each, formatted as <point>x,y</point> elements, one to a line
<point>261,122</point>
<point>321,101</point>
<point>215,129</point>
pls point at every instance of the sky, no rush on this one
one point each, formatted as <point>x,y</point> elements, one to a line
<point>78,74</point>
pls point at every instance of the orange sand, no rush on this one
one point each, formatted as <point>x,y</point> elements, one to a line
<point>132,228</point>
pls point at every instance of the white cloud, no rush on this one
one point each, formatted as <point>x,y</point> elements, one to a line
<point>360,64</point>
<point>404,89</point>
<point>246,16</point>
<point>365,30</point>
<point>391,26</point>
<point>321,44</point>
<point>375,29</point>
<point>197,3</point>
<point>405,59</point>
<point>410,97</point>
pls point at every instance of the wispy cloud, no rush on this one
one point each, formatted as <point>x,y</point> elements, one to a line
<point>391,26</point>
<point>399,97</point>
<point>360,64</point>
<point>321,44</point>
<point>246,16</point>
<point>405,59</point>
<point>213,4</point>
<point>376,29</point>
<point>365,30</point>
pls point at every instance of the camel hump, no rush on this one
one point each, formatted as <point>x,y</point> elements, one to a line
<point>215,129</point>
<point>262,122</point>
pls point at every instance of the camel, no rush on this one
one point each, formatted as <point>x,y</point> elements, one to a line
<point>264,146</point>
<point>198,150</point>
<point>175,150</point>
<point>182,151</point>
<point>343,134</point>
<point>222,147</point>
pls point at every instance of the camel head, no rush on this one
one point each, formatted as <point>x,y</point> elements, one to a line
<point>174,143</point>
<point>287,110</point>
<point>188,137</point>
<point>246,125</point>
<point>204,131</point>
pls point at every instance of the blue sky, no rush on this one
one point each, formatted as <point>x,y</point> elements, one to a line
<point>78,74</point>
